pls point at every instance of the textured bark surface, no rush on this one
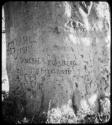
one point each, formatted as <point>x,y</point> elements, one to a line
<point>49,58</point>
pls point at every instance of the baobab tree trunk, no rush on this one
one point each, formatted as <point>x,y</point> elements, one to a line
<point>47,60</point>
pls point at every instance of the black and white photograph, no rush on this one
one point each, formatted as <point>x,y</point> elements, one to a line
<point>56,62</point>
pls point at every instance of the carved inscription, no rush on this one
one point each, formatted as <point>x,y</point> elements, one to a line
<point>24,49</point>
<point>11,48</point>
<point>30,60</point>
<point>20,45</point>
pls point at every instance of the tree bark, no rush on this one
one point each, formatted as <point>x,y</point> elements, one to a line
<point>46,58</point>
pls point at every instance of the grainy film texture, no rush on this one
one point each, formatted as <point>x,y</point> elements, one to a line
<point>56,62</point>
